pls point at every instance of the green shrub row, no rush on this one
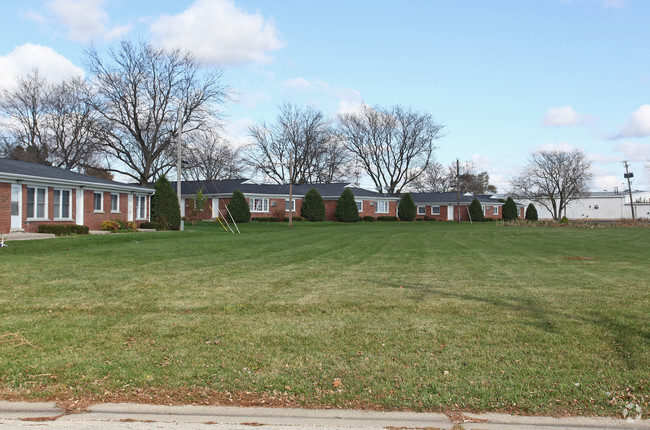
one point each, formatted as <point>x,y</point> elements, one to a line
<point>152,225</point>
<point>387,218</point>
<point>275,219</point>
<point>63,229</point>
<point>118,225</point>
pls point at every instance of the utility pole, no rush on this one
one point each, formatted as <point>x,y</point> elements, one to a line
<point>290,190</point>
<point>458,188</point>
<point>627,176</point>
<point>179,141</point>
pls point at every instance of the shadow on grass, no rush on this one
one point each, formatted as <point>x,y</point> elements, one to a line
<point>621,334</point>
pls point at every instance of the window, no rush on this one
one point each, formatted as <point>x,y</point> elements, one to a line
<point>435,210</point>
<point>98,205</point>
<point>293,205</point>
<point>115,202</point>
<point>496,210</point>
<point>62,204</point>
<point>258,205</point>
<point>36,203</point>
<point>141,207</point>
<point>359,205</point>
<point>382,207</point>
<point>422,210</point>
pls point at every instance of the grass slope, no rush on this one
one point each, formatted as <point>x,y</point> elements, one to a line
<point>419,316</point>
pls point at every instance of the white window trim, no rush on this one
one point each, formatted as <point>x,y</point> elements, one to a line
<point>382,203</point>
<point>101,202</point>
<point>293,204</point>
<point>116,211</point>
<point>424,210</point>
<point>435,213</point>
<point>495,210</point>
<point>57,216</point>
<point>265,204</point>
<point>35,207</point>
<point>138,206</point>
<point>361,207</point>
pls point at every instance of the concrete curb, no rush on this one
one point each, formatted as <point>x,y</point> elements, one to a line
<point>232,417</point>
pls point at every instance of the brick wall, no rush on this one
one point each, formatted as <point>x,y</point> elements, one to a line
<point>5,207</point>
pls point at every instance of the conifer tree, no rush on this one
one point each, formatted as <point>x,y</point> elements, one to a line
<point>346,208</point>
<point>531,213</point>
<point>164,205</point>
<point>239,208</point>
<point>406,209</point>
<point>313,207</point>
<point>510,210</point>
<point>476,211</point>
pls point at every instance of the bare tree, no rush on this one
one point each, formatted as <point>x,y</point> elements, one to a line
<point>50,124</point>
<point>144,93</point>
<point>72,133</point>
<point>439,179</point>
<point>435,179</point>
<point>25,110</point>
<point>553,179</point>
<point>393,145</point>
<point>210,157</point>
<point>303,134</point>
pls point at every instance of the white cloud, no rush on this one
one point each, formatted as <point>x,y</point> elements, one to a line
<point>298,84</point>
<point>556,146</point>
<point>85,20</point>
<point>638,125</point>
<point>23,59</point>
<point>237,132</point>
<point>635,151</point>
<point>564,117</point>
<point>218,32</point>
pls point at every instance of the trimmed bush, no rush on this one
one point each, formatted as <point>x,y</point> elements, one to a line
<point>387,218</point>
<point>476,211</point>
<point>406,209</point>
<point>369,218</point>
<point>164,205</point>
<point>151,225</point>
<point>346,208</point>
<point>264,219</point>
<point>564,220</point>
<point>63,229</point>
<point>531,213</point>
<point>239,208</point>
<point>313,207</point>
<point>509,210</point>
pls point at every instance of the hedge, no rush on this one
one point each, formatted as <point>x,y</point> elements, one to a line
<point>63,229</point>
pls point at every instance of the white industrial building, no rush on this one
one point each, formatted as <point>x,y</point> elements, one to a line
<point>603,205</point>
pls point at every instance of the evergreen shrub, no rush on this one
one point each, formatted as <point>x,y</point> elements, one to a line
<point>313,207</point>
<point>239,208</point>
<point>369,218</point>
<point>406,209</point>
<point>346,208</point>
<point>164,205</point>
<point>387,218</point>
<point>476,211</point>
<point>510,210</point>
<point>531,213</point>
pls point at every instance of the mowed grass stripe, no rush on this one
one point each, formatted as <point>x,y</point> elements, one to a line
<point>423,316</point>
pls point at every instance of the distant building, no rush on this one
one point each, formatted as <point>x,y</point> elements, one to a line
<point>603,205</point>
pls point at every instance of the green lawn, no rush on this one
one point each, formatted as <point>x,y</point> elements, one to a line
<point>407,316</point>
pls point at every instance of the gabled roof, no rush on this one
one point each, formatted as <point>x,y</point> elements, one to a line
<point>452,198</point>
<point>225,188</point>
<point>26,171</point>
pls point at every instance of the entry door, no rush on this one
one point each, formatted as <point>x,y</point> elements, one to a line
<point>16,200</point>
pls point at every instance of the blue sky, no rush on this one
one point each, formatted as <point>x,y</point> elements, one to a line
<point>506,78</point>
